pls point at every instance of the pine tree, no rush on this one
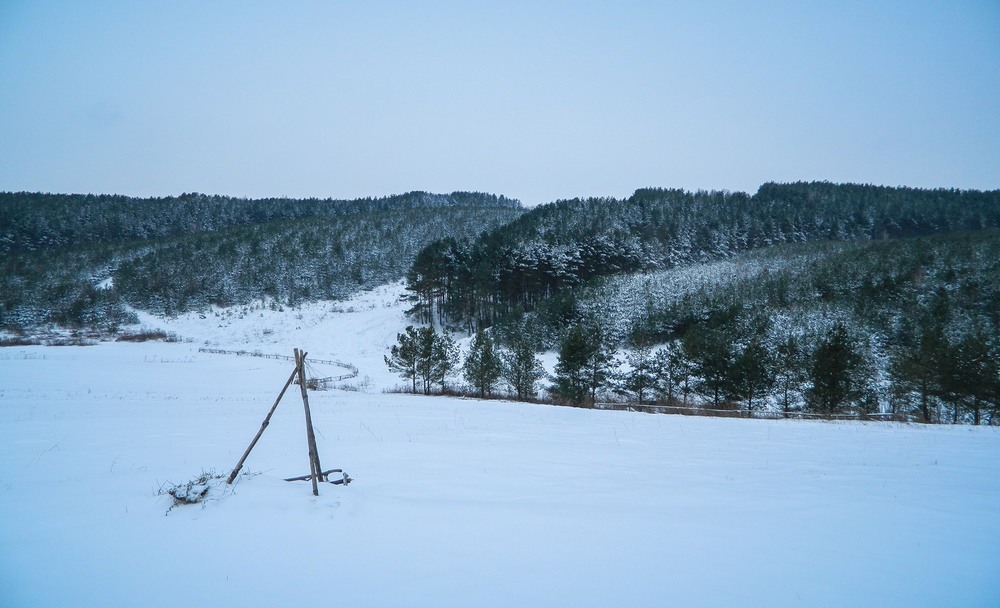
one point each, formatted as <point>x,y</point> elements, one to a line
<point>403,358</point>
<point>670,372</point>
<point>423,354</point>
<point>978,376</point>
<point>482,365</point>
<point>584,365</point>
<point>640,379</point>
<point>790,371</point>
<point>521,369</point>
<point>598,365</point>
<point>917,368</point>
<point>710,354</point>
<point>570,379</point>
<point>753,373</point>
<point>835,373</point>
<point>438,355</point>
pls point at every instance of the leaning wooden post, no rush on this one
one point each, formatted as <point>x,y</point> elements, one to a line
<point>316,470</point>
<point>311,433</point>
<point>267,421</point>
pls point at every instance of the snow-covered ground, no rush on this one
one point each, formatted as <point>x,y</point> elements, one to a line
<point>358,331</point>
<point>457,502</point>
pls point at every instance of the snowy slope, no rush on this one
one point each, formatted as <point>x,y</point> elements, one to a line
<point>358,331</point>
<point>458,502</point>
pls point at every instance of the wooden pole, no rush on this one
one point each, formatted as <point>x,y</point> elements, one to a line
<point>267,421</point>
<point>315,469</point>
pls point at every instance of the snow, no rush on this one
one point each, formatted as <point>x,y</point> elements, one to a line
<point>358,331</point>
<point>456,502</point>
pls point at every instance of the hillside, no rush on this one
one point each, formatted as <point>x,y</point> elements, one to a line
<point>34,221</point>
<point>887,286</point>
<point>555,248</point>
<point>87,261</point>
<point>733,302</point>
<point>706,301</point>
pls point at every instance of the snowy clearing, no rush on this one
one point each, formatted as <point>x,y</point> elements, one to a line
<point>458,502</point>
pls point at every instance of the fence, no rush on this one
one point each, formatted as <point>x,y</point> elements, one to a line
<point>740,413</point>
<point>318,381</point>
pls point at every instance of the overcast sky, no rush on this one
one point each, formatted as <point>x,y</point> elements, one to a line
<point>535,100</point>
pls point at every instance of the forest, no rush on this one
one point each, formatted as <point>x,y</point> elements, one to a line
<point>87,261</point>
<point>806,298</point>
<point>801,299</point>
<point>555,248</point>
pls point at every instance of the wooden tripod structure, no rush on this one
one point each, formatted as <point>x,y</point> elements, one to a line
<point>316,472</point>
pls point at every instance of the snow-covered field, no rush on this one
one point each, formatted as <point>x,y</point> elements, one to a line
<point>457,502</point>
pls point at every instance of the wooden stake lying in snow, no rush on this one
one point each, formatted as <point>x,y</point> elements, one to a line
<point>325,476</point>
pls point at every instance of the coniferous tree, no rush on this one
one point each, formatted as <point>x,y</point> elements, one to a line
<point>835,373</point>
<point>521,369</point>
<point>438,355</point>
<point>790,372</point>
<point>753,373</point>
<point>570,378</point>
<point>404,356</point>
<point>483,366</point>
<point>640,379</point>
<point>423,354</point>
<point>684,370</point>
<point>950,380</point>
<point>710,354</point>
<point>917,368</point>
<point>978,375</point>
<point>598,364</point>
<point>584,365</point>
<point>670,372</point>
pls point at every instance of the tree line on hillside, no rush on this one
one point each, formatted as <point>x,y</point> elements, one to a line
<point>428,358</point>
<point>34,221</point>
<point>922,315</point>
<point>289,262</point>
<point>880,285</point>
<point>555,249</point>
<point>918,319</point>
<point>829,375</point>
<point>94,284</point>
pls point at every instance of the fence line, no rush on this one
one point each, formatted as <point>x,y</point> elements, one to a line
<point>256,353</point>
<point>738,413</point>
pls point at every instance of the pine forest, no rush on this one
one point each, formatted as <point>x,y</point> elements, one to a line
<point>802,299</point>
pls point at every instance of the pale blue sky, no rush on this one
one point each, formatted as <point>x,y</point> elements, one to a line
<point>535,100</point>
